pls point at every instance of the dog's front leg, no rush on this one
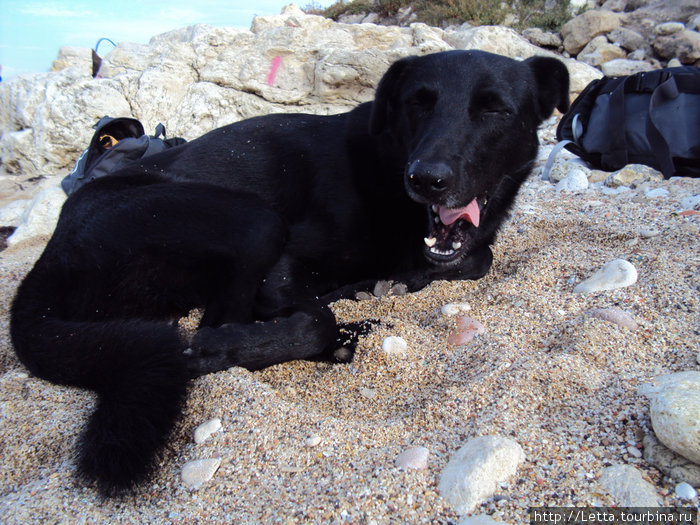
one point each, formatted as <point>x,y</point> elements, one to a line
<point>304,334</point>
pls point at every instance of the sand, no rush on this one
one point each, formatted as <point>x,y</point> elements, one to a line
<point>545,373</point>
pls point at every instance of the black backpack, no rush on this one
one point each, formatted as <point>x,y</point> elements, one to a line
<point>650,118</point>
<point>116,143</point>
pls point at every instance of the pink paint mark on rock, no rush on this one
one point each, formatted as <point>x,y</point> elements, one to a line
<point>466,330</point>
<point>276,63</point>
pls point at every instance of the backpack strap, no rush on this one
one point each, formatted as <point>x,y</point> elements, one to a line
<point>552,157</point>
<point>617,153</point>
<point>667,90</point>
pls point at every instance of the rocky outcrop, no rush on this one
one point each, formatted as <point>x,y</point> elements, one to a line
<point>629,36</point>
<point>197,78</point>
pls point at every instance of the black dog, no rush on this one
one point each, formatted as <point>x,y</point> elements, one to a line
<point>263,223</point>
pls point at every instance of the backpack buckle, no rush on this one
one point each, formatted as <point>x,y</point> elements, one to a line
<point>647,82</point>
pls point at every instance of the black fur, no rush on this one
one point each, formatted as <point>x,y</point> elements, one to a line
<point>263,223</point>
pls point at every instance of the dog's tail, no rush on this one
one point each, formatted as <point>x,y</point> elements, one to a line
<point>136,367</point>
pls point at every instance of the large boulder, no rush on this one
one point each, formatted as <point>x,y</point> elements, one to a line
<point>580,30</point>
<point>683,45</point>
<point>197,78</point>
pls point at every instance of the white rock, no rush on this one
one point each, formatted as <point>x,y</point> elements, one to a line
<point>634,451</point>
<point>11,214</point>
<point>674,401</point>
<point>669,28</point>
<point>615,274</point>
<point>452,309</point>
<point>369,393</point>
<point>507,41</point>
<point>394,345</point>
<point>313,440</point>
<point>575,182</point>
<point>203,431</point>
<point>413,458</point>
<point>657,192</point>
<point>623,67</point>
<point>196,78</point>
<point>685,491</point>
<point>689,203</point>
<point>40,217</point>
<point>564,166</point>
<point>667,461</point>
<point>199,471</point>
<point>627,487</point>
<point>474,471</point>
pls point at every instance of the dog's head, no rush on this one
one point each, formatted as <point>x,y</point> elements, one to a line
<point>467,123</point>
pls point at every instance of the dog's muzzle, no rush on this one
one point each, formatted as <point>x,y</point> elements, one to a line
<point>429,182</point>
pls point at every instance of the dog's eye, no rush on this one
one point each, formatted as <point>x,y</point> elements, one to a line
<point>489,104</point>
<point>495,112</point>
<point>423,98</point>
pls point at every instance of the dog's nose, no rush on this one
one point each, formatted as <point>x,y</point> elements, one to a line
<point>429,179</point>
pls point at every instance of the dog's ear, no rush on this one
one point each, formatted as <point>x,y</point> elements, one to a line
<point>384,96</point>
<point>552,79</point>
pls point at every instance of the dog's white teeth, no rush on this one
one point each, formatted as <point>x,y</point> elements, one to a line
<point>456,245</point>
<point>435,208</point>
<point>442,252</point>
<point>430,241</point>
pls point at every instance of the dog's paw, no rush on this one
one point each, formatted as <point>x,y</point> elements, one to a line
<point>343,354</point>
<point>383,289</point>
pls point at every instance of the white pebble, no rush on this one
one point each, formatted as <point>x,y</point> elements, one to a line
<point>474,471</point>
<point>634,451</point>
<point>674,405</point>
<point>615,274</point>
<point>455,308</point>
<point>625,485</point>
<point>369,393</point>
<point>655,193</point>
<point>685,491</point>
<point>195,473</point>
<point>203,431</point>
<point>689,203</point>
<point>575,182</point>
<point>413,458</point>
<point>313,440</point>
<point>394,345</point>
<point>648,233</point>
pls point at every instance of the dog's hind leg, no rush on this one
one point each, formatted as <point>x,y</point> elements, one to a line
<point>302,335</point>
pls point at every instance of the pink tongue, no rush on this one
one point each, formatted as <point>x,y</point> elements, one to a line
<point>470,213</point>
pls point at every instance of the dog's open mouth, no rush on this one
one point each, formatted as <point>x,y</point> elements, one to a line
<point>452,230</point>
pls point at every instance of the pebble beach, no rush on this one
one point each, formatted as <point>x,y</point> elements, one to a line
<point>518,354</point>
